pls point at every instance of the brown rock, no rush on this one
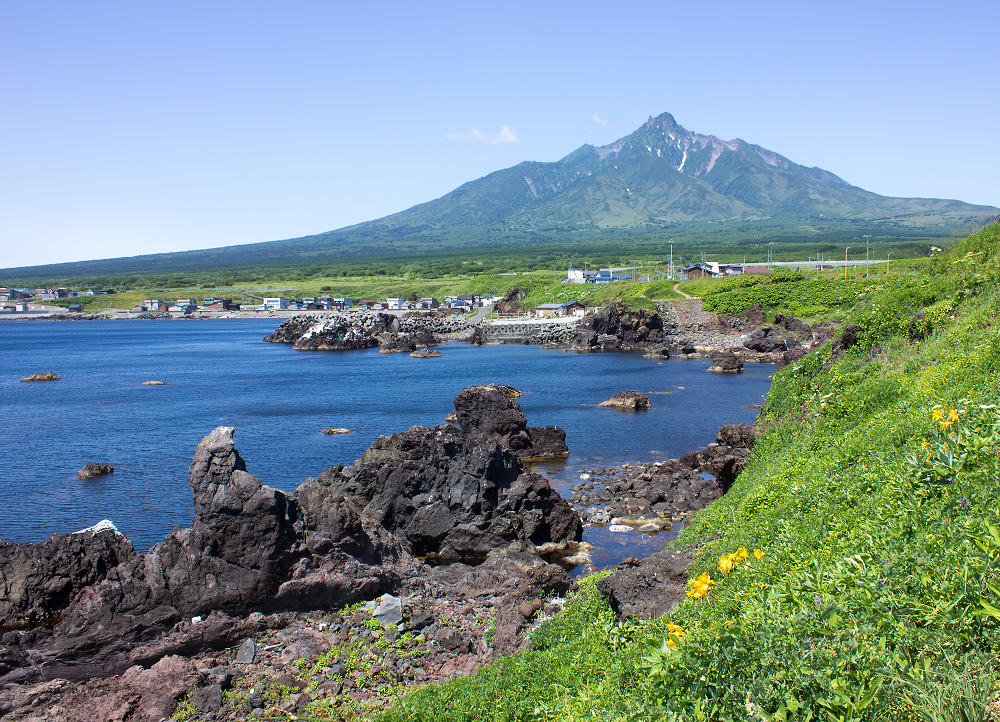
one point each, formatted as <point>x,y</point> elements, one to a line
<point>627,401</point>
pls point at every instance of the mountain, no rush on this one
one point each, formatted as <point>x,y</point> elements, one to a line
<point>662,174</point>
<point>660,179</point>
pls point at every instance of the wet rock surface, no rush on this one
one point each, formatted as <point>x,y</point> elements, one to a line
<point>627,401</point>
<point>658,495</point>
<point>94,470</point>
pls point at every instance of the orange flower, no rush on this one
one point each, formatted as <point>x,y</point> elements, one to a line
<point>758,554</point>
<point>727,562</point>
<point>937,415</point>
<point>742,553</point>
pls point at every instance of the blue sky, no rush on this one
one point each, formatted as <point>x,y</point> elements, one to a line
<point>131,128</point>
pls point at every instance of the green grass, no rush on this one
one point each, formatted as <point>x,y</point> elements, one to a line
<point>878,595</point>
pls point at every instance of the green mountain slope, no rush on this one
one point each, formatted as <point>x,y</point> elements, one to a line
<point>660,179</point>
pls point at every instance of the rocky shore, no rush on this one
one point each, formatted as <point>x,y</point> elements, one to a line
<point>365,329</point>
<point>139,634</point>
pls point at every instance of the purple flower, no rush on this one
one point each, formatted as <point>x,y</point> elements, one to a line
<point>964,503</point>
<point>816,600</point>
<point>951,480</point>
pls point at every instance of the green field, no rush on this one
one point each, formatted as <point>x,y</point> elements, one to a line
<point>872,500</point>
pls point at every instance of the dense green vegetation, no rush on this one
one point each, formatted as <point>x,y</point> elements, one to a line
<point>871,500</point>
<point>267,264</point>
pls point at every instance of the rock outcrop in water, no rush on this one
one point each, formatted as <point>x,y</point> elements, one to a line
<point>627,401</point>
<point>364,329</point>
<point>490,410</point>
<point>454,494</point>
<point>95,470</point>
<point>346,536</point>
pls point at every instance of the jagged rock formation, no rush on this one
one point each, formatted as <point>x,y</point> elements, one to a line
<point>37,581</point>
<point>251,548</point>
<point>452,494</point>
<point>490,410</point>
<point>364,329</point>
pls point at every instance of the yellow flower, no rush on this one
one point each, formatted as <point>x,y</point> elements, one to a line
<point>671,643</point>
<point>924,444</point>
<point>953,415</point>
<point>728,622</point>
<point>727,562</point>
<point>742,553</point>
<point>674,629</point>
<point>937,415</point>
<point>758,554</point>
<point>700,586</point>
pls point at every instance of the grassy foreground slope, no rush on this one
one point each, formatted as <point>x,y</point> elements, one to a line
<point>872,501</point>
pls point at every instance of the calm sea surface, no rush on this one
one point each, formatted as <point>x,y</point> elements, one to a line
<point>220,373</point>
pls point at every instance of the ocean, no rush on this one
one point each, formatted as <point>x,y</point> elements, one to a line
<point>220,372</point>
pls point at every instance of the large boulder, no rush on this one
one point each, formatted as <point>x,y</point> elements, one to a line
<point>37,581</point>
<point>629,325</point>
<point>766,340</point>
<point>647,588</point>
<point>726,362</point>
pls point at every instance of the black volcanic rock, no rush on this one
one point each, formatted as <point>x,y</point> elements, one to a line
<point>726,362</point>
<point>490,410</point>
<point>95,470</point>
<point>630,326</point>
<point>37,581</point>
<point>445,493</point>
<point>766,340</point>
<point>648,588</point>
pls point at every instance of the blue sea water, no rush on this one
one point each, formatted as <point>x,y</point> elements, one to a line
<point>219,372</point>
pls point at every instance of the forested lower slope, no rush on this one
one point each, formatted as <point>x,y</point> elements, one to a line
<point>851,573</point>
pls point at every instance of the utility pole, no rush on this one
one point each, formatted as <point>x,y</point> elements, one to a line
<point>845,261</point>
<point>868,239</point>
<point>671,242</point>
<point>887,263</point>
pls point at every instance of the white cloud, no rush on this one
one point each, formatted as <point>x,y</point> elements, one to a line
<point>506,135</point>
<point>598,119</point>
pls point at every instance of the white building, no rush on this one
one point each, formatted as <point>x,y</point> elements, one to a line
<point>276,304</point>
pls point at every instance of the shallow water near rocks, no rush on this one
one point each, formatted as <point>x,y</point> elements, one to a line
<point>221,373</point>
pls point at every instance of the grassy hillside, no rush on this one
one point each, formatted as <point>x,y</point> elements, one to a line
<point>472,251</point>
<point>871,502</point>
